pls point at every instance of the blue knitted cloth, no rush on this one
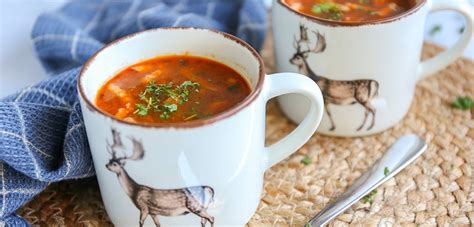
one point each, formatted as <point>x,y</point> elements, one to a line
<point>42,136</point>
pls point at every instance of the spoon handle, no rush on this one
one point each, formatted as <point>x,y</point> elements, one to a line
<point>403,152</point>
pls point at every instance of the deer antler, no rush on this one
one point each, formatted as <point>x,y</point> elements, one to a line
<point>320,44</point>
<point>303,38</point>
<point>116,145</point>
<point>117,139</point>
<point>296,44</point>
<point>138,151</point>
<point>109,149</point>
<point>303,33</point>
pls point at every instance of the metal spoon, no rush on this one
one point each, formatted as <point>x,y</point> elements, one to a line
<point>403,152</point>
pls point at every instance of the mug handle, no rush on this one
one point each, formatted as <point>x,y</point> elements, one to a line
<point>285,83</point>
<point>442,60</point>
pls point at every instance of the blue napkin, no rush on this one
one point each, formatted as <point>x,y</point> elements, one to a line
<point>42,136</point>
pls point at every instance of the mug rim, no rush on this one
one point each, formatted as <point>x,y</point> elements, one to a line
<point>186,124</point>
<point>328,22</point>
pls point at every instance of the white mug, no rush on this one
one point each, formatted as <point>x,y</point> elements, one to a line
<point>367,71</point>
<point>201,172</point>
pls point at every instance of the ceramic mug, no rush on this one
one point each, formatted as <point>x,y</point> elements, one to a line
<point>207,171</point>
<point>367,71</point>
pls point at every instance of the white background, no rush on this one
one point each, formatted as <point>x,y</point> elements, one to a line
<point>19,66</point>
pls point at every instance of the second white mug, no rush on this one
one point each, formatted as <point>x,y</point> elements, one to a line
<point>367,71</point>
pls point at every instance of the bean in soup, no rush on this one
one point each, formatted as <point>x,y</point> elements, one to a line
<point>172,89</point>
<point>350,10</point>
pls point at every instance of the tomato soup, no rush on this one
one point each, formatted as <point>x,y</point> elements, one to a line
<point>171,89</point>
<point>350,10</point>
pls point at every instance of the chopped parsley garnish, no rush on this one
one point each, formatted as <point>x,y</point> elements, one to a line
<point>386,171</point>
<point>328,7</point>
<point>306,160</point>
<point>369,198</point>
<point>164,98</point>
<point>435,29</point>
<point>336,16</point>
<point>461,30</point>
<point>141,110</point>
<point>233,87</point>
<point>463,103</point>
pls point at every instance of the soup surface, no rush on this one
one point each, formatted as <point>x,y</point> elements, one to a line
<point>171,89</point>
<point>350,10</point>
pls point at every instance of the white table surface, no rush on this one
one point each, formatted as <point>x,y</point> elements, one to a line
<point>19,66</point>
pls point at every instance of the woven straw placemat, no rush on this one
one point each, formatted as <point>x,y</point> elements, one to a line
<point>437,189</point>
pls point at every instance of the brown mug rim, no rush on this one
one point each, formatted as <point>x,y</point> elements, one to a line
<point>187,124</point>
<point>328,22</point>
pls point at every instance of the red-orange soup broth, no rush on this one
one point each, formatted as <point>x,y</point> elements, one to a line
<point>170,89</point>
<point>351,10</point>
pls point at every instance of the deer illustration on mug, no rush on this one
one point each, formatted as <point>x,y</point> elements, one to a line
<point>155,202</point>
<point>337,92</point>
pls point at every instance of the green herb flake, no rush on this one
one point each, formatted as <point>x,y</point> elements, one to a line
<point>316,9</point>
<point>336,16</point>
<point>233,87</point>
<point>187,83</point>
<point>463,103</point>
<point>165,115</point>
<point>386,171</point>
<point>461,30</point>
<point>369,198</point>
<point>170,107</point>
<point>436,29</point>
<point>306,160</point>
<point>328,7</point>
<point>141,110</point>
